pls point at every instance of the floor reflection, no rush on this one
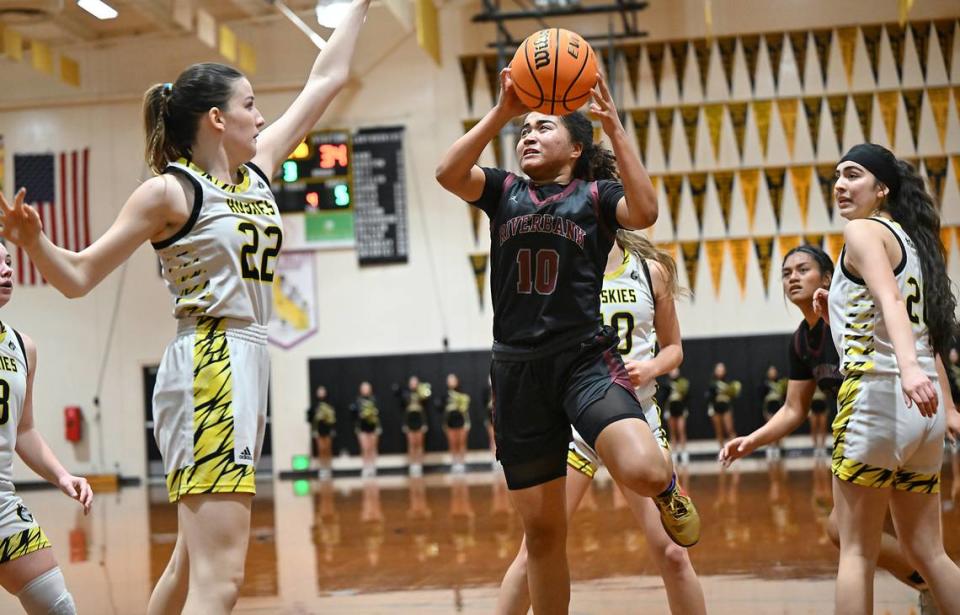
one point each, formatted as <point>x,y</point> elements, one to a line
<point>443,542</point>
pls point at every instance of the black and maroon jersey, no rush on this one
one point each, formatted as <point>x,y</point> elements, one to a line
<point>548,250</point>
<point>814,357</point>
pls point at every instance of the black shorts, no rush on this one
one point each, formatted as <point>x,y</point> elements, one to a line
<point>414,422</point>
<point>818,406</point>
<point>455,420</point>
<point>539,398</point>
<point>323,430</point>
<point>721,407</point>
<point>677,409</point>
<point>369,426</point>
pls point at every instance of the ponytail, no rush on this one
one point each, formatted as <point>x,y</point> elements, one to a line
<point>171,111</point>
<point>913,208</point>
<point>645,249</point>
<point>596,162</point>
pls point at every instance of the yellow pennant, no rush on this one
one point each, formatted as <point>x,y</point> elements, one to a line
<point>811,108</point>
<point>821,42</point>
<point>940,106</point>
<point>227,43</point>
<point>474,222</point>
<point>838,113</point>
<point>690,116</point>
<point>956,170</point>
<point>723,182</point>
<point>848,47</point>
<point>478,262</point>
<point>904,7</point>
<point>764,250</point>
<point>834,243</point>
<point>701,49</point>
<point>679,50</point>
<point>946,238</point>
<point>775,180</point>
<point>800,178</point>
<point>691,259</point>
<point>631,57</point>
<point>871,40</point>
<point>936,167</point>
<point>655,57</point>
<point>798,44</point>
<point>740,252</point>
<point>957,231</point>
<point>665,124</point>
<point>788,118</point>
<point>468,70</point>
<point>491,72</point>
<point>921,42</point>
<point>896,35</point>
<point>738,118</point>
<point>749,186</point>
<point>698,192</point>
<point>815,239</point>
<point>673,186</point>
<point>12,44</point>
<point>714,248</point>
<point>69,71</point>
<point>714,115</point>
<point>786,243</point>
<point>888,111</point>
<point>672,248</point>
<point>863,103</point>
<point>41,57</point>
<point>912,100</point>
<point>727,46</point>
<point>761,115</point>
<point>774,41</point>
<point>247,57</point>
<point>428,29</point>
<point>641,124</point>
<point>826,177</point>
<point>956,99</point>
<point>468,124</point>
<point>945,32</point>
<point>750,43</point>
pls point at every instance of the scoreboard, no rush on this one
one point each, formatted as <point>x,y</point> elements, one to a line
<point>318,175</point>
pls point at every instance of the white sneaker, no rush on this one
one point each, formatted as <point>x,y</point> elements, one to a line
<point>325,474</point>
<point>368,472</point>
<point>416,470</point>
<point>458,468</point>
<point>684,457</point>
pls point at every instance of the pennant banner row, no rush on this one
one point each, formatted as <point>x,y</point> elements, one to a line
<point>767,249</point>
<point>924,36</point>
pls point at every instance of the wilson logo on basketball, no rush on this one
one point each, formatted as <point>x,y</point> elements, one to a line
<point>541,49</point>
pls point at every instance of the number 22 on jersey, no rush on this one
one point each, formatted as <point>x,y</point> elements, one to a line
<point>258,265</point>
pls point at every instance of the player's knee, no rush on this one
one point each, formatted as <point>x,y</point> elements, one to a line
<point>544,536</point>
<point>47,595</point>
<point>833,533</point>
<point>647,476</point>
<point>673,560</point>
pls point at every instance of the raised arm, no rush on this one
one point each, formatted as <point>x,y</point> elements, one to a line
<point>327,77</point>
<point>144,216</point>
<point>867,255</point>
<point>33,449</point>
<point>638,208</point>
<point>457,171</point>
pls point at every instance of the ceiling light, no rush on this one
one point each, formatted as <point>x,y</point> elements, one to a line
<point>331,12</point>
<point>98,8</point>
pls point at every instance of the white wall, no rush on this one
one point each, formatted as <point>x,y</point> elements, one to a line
<point>392,309</point>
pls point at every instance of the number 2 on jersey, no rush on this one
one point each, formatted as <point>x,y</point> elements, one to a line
<point>538,273</point>
<point>913,300</point>
<point>250,249</point>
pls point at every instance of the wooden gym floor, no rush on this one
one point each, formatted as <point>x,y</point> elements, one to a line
<point>440,545</point>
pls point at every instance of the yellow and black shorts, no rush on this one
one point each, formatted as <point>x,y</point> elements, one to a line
<point>210,404</point>
<point>880,442</point>
<point>19,533</point>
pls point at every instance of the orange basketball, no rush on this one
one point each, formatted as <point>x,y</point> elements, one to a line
<point>553,71</point>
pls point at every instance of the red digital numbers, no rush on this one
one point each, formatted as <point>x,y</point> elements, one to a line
<point>333,155</point>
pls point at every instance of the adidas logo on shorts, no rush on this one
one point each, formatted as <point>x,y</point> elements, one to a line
<point>245,454</point>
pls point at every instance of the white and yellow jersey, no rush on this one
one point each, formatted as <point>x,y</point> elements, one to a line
<point>221,263</point>
<point>856,321</point>
<point>627,305</point>
<point>13,391</point>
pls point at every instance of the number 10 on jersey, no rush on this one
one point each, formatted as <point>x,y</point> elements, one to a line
<point>537,272</point>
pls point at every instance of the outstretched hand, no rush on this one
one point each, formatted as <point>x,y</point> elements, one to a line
<point>821,304</point>
<point>733,450</point>
<point>603,107</point>
<point>19,222</point>
<point>79,489</point>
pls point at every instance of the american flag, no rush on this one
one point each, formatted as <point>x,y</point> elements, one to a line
<point>57,186</point>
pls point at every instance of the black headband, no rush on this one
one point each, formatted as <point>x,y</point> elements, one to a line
<point>869,156</point>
